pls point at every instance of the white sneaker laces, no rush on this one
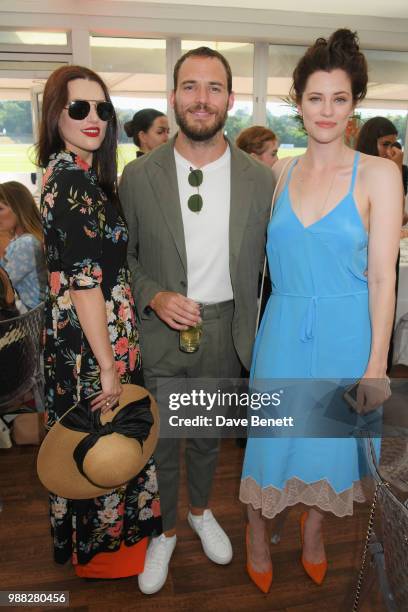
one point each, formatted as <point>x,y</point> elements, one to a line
<point>212,531</point>
<point>157,556</point>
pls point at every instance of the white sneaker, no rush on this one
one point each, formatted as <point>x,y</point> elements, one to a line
<point>156,566</point>
<point>216,543</point>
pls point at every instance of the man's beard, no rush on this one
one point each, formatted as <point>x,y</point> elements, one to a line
<point>200,133</point>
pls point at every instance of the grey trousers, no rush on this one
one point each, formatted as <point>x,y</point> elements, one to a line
<point>216,358</point>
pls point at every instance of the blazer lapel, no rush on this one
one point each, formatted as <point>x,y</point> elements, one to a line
<point>162,174</point>
<point>241,198</point>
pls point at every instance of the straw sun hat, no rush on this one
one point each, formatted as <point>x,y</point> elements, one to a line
<point>87,454</point>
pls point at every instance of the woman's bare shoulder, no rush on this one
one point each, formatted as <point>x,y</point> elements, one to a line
<point>375,168</point>
<point>381,180</point>
<point>285,162</point>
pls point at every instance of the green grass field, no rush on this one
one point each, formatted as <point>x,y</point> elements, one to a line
<point>15,158</point>
<point>291,152</point>
<point>18,157</point>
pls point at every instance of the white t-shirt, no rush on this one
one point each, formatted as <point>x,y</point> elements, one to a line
<point>207,233</point>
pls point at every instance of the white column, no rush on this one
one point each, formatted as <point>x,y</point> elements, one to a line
<point>36,99</point>
<point>81,48</point>
<point>260,83</point>
<point>173,52</point>
<point>406,143</point>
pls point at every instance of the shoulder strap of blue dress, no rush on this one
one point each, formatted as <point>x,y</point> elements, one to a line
<point>354,173</point>
<point>289,174</point>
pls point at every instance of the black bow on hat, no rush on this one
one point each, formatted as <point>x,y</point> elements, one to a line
<point>134,421</point>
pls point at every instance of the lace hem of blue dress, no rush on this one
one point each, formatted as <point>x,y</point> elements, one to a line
<point>272,500</point>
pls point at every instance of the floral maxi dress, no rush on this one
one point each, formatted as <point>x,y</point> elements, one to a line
<point>85,246</point>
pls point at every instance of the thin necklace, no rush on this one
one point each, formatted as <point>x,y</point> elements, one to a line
<point>323,207</point>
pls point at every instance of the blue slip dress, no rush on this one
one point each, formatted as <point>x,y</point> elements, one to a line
<point>316,326</point>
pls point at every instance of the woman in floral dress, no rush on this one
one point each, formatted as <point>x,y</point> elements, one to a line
<point>91,341</point>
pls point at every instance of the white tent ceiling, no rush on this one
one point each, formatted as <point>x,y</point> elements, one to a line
<point>396,9</point>
<point>141,71</point>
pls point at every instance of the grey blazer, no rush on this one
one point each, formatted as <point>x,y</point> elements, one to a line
<point>157,254</point>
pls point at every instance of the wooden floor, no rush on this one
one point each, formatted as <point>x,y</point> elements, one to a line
<point>194,583</point>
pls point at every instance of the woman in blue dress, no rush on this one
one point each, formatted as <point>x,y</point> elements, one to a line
<point>332,247</point>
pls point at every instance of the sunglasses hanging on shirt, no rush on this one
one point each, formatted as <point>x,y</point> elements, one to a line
<point>80,109</point>
<point>195,201</point>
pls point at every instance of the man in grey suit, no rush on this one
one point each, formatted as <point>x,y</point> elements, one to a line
<point>195,238</point>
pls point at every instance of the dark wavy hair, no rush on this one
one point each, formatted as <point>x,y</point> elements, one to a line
<point>142,122</point>
<point>371,131</point>
<point>341,50</point>
<point>55,97</point>
<point>203,52</point>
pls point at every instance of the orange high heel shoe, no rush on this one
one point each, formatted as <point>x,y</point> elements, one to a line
<point>263,580</point>
<point>315,571</point>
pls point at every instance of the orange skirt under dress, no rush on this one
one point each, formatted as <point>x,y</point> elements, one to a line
<point>124,562</point>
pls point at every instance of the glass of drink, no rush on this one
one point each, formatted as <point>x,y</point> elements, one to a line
<point>190,338</point>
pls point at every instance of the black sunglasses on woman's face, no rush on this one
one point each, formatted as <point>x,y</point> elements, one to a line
<point>80,109</point>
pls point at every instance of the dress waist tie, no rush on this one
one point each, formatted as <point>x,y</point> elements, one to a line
<point>310,319</point>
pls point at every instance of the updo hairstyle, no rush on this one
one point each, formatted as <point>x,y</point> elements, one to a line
<point>340,51</point>
<point>142,122</point>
